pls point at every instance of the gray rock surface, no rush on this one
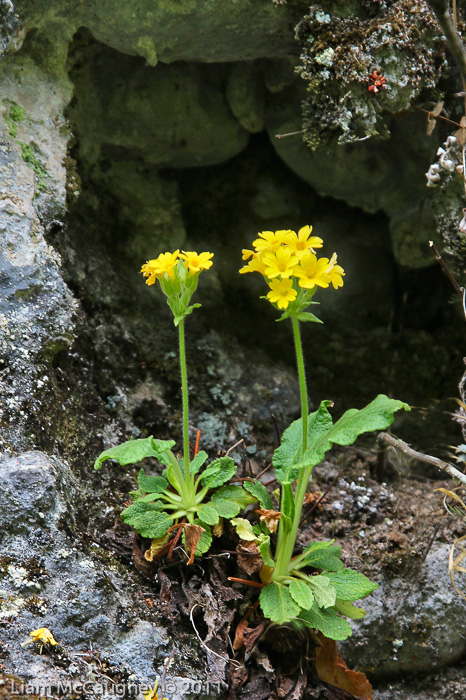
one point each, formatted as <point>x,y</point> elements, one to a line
<point>47,579</point>
<point>413,624</point>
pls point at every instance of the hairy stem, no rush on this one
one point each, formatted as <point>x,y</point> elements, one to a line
<point>184,392</point>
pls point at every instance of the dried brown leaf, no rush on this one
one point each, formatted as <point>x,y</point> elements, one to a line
<point>192,535</point>
<point>332,669</point>
<point>270,518</point>
<point>157,548</point>
<point>250,564</point>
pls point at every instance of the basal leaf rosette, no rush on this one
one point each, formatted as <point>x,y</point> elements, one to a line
<point>292,270</point>
<point>177,274</point>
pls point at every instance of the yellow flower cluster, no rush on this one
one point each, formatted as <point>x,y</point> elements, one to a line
<point>166,264</point>
<point>288,261</point>
<point>43,636</point>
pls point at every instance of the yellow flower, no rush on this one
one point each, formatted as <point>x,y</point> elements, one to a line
<point>247,254</point>
<point>302,241</point>
<point>163,265</point>
<point>312,271</point>
<point>152,694</point>
<point>42,635</point>
<point>254,265</point>
<point>282,292</point>
<point>268,240</point>
<point>195,262</point>
<point>335,272</point>
<point>280,263</point>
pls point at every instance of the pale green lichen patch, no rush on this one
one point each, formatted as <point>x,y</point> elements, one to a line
<point>33,161</point>
<point>13,117</point>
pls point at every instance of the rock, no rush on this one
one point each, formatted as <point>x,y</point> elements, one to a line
<point>169,116</point>
<point>362,174</point>
<point>8,23</point>
<point>412,625</point>
<point>168,31</point>
<point>83,597</point>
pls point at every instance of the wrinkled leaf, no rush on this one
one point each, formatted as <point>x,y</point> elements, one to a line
<point>301,593</point>
<point>346,608</point>
<point>277,604</point>
<point>323,555</point>
<point>230,499</point>
<point>153,524</point>
<point>287,456</point>
<point>327,621</point>
<point>135,510</point>
<point>208,515</point>
<point>151,484</point>
<point>135,450</point>
<point>219,472</point>
<point>323,590</point>
<point>351,585</point>
<point>156,547</point>
<point>260,492</point>
<point>197,462</point>
<point>377,415</point>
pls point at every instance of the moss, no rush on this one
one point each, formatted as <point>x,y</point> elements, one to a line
<point>13,117</point>
<point>31,159</point>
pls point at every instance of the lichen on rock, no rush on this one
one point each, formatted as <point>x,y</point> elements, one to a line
<point>399,40</point>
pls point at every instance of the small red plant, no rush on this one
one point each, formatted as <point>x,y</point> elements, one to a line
<point>376,81</point>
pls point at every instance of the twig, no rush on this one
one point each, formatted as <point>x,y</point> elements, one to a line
<point>292,133</point>
<point>444,267</point>
<point>407,450</point>
<point>165,666</point>
<point>442,12</point>
<point>233,447</point>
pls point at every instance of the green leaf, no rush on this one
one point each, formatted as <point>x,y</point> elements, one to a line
<point>287,501</point>
<point>350,610</point>
<point>135,510</point>
<point>327,621</point>
<point>260,492</point>
<point>135,450</point>
<point>243,529</point>
<point>151,497</point>
<point>307,316</point>
<point>151,484</point>
<point>377,415</point>
<point>264,549</point>
<point>289,454</point>
<point>197,462</point>
<point>218,472</point>
<point>351,585</point>
<point>323,555</point>
<point>153,524</point>
<point>324,593</point>
<point>208,515</point>
<point>301,593</point>
<point>230,499</point>
<point>277,604</point>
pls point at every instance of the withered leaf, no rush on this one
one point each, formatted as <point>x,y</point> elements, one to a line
<point>249,558</point>
<point>192,535</point>
<point>157,548</point>
<point>461,133</point>
<point>270,518</point>
<point>332,670</point>
<point>431,121</point>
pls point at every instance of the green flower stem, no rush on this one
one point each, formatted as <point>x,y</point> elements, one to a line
<point>286,541</point>
<point>302,378</point>
<point>184,391</point>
